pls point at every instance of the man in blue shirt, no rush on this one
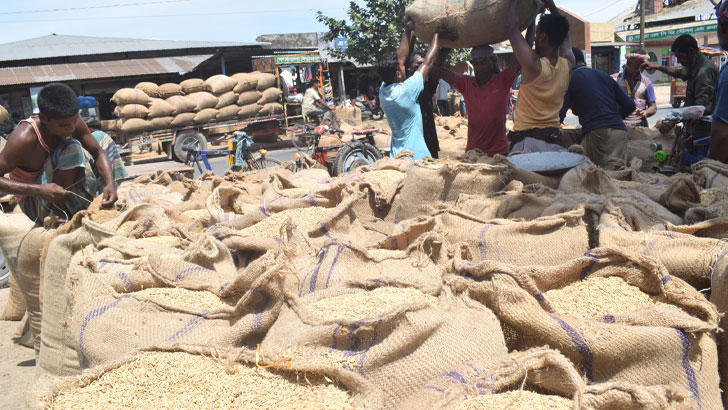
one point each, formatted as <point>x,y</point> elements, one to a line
<point>719,134</point>
<point>601,105</point>
<point>398,94</point>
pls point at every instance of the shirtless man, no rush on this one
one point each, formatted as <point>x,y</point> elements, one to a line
<point>47,162</point>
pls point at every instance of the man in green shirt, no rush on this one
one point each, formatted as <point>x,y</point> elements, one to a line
<point>701,75</point>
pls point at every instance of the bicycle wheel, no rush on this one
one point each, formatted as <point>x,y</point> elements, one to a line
<point>303,136</point>
<point>261,163</point>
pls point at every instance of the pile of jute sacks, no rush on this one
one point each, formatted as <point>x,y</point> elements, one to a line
<point>460,284</point>
<point>150,107</point>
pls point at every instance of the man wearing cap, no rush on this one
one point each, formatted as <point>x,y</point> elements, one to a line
<point>486,96</point>
<point>701,75</point>
<point>639,88</point>
<point>544,80</point>
<point>719,133</point>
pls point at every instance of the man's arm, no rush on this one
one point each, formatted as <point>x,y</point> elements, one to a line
<point>624,102</point>
<point>565,47</point>
<point>705,83</point>
<point>102,161</point>
<point>433,51</point>
<point>515,66</point>
<point>406,45</point>
<point>676,72</point>
<point>525,55</point>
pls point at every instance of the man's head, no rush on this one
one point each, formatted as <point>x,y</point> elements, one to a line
<point>551,31</point>
<point>415,61</point>
<point>685,49</point>
<point>484,61</point>
<point>58,107</point>
<point>635,59</point>
<point>721,11</point>
<point>388,68</point>
<point>578,57</point>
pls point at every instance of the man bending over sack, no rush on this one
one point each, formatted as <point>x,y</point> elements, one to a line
<point>55,164</point>
<point>544,81</point>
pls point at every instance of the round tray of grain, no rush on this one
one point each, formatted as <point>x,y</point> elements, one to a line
<point>162,380</point>
<point>520,399</point>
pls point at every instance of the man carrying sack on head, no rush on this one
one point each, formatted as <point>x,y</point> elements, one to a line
<point>55,164</point>
<point>544,81</point>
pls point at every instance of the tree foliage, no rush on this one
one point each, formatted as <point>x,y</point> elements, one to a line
<point>373,27</point>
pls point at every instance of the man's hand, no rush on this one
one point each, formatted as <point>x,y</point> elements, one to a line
<point>52,193</point>
<point>550,6</point>
<point>648,66</point>
<point>409,24</point>
<point>638,112</point>
<point>109,196</point>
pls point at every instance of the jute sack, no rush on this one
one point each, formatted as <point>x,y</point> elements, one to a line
<point>228,112</point>
<point>386,335</point>
<point>466,18</point>
<point>181,120</point>
<point>130,96</point>
<point>249,97</point>
<point>160,108</point>
<point>169,90</point>
<point>109,125</point>
<point>202,100</point>
<point>159,123</point>
<point>181,104</point>
<point>517,242</point>
<point>545,371</point>
<point>150,89</point>
<point>231,206</point>
<point>193,85</point>
<point>218,84</point>
<point>249,110</point>
<point>246,82</point>
<point>719,297</point>
<point>14,227</point>
<point>271,109</point>
<point>428,183</point>
<point>714,228</point>
<point>133,111</point>
<point>710,174</point>
<point>269,96</point>
<point>517,173</point>
<point>612,344</point>
<point>685,256</point>
<point>133,124</point>
<point>226,99</point>
<point>514,202</point>
<point>208,114</point>
<point>4,114</point>
<point>265,80</point>
<point>280,193</point>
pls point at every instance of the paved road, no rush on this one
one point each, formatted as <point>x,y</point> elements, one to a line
<point>219,165</point>
<point>662,111</point>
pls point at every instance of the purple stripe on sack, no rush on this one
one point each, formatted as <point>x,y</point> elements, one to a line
<point>264,211</point>
<point>93,314</point>
<point>187,272</point>
<point>483,253</point>
<point>278,241</point>
<point>323,229</point>
<point>101,265</point>
<point>363,355</point>
<point>303,282</point>
<point>311,199</point>
<point>689,372</point>
<point>619,228</point>
<point>609,319</point>
<point>457,376</point>
<point>333,264</point>
<point>587,270</point>
<point>193,324</point>
<point>540,297</point>
<point>437,389</point>
<point>124,278</point>
<point>475,369</point>
<point>650,246</point>
<point>712,180</point>
<point>314,277</point>
<point>580,345</point>
<point>665,279</point>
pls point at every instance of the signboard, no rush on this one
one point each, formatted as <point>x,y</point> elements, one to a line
<point>267,64</point>
<point>341,44</point>
<point>663,34</point>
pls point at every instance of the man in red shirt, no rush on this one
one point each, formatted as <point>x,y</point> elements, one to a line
<point>486,96</point>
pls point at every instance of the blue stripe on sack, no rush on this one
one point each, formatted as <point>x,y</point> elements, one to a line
<point>689,372</point>
<point>609,319</point>
<point>665,279</point>
<point>193,324</point>
<point>457,376</point>
<point>314,276</point>
<point>712,180</point>
<point>331,269</point>
<point>581,347</point>
<point>483,253</point>
<point>187,272</point>
<point>93,314</point>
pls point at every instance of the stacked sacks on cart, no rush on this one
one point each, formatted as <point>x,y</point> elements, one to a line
<point>365,278</point>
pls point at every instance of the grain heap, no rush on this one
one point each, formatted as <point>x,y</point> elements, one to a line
<point>523,399</point>
<point>367,304</point>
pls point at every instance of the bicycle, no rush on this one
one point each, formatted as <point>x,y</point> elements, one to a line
<point>239,155</point>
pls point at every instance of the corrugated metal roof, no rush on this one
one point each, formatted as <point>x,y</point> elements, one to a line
<point>102,69</point>
<point>61,46</point>
<point>687,9</point>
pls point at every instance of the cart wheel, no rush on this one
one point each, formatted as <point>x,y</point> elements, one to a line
<point>354,155</point>
<point>185,141</point>
<point>303,136</point>
<point>261,163</point>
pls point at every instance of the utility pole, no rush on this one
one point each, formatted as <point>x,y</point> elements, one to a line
<point>642,24</point>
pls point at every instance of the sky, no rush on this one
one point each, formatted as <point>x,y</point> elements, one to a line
<point>209,20</point>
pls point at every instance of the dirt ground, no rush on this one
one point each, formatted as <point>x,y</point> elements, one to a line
<point>17,364</point>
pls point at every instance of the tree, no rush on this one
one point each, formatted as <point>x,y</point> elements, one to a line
<point>375,26</point>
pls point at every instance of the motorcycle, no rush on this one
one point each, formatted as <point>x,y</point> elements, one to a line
<point>371,105</point>
<point>686,150</point>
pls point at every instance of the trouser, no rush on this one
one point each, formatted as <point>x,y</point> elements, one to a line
<point>536,140</point>
<point>601,145</point>
<point>443,107</point>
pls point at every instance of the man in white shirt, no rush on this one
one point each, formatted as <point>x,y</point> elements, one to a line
<point>313,105</point>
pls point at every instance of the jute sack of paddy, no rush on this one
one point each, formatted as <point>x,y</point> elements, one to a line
<point>719,297</point>
<point>134,193</point>
<point>202,100</point>
<point>279,194</point>
<point>265,80</point>
<point>160,108</point>
<point>428,183</point>
<point>169,90</point>
<point>517,242</point>
<point>226,99</point>
<point>228,112</point>
<point>249,110</point>
<point>384,177</point>
<point>223,380</point>
<point>32,253</point>
<point>184,119</point>
<point>159,123</point>
<point>685,256</point>
<point>130,96</point>
<point>150,89</point>
<point>205,309</point>
<point>538,378</point>
<point>677,194</point>
<point>249,97</point>
<point>271,109</point>
<point>713,205</point>
<point>181,104</point>
<point>246,82</point>
<point>14,228</point>
<point>385,335</point>
<point>466,17</point>
<point>206,115</point>
<point>193,85</point>
<point>269,96</point>
<point>133,111</point>
<point>604,311</point>
<point>711,174</point>
<point>514,202</point>
<point>133,125</point>
<point>218,84</point>
<point>235,207</point>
